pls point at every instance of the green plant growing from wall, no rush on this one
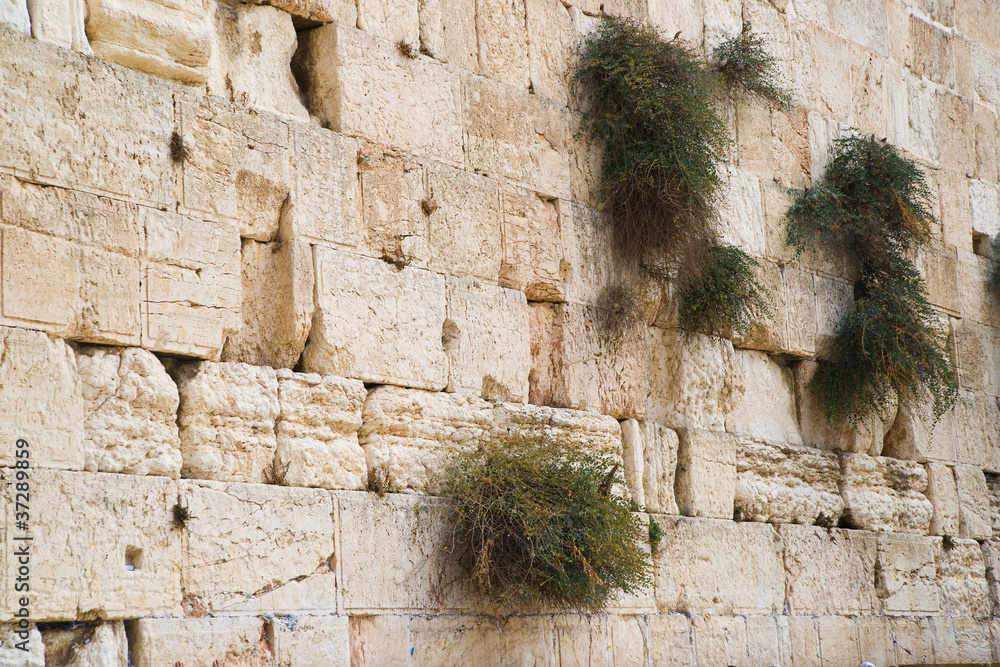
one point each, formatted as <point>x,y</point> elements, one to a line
<point>654,106</point>
<point>538,526</point>
<point>873,207</point>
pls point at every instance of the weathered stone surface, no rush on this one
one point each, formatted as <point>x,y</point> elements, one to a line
<point>450,640</point>
<point>975,520</point>
<point>503,41</point>
<point>464,223</point>
<point>317,431</point>
<point>41,401</point>
<point>671,643</point>
<point>198,641</point>
<point>594,430</point>
<point>694,552</point>
<point>650,455</point>
<point>448,32</point>
<point>689,381</point>
<point>61,23</point>
<point>985,205</point>
<point>553,34</point>
<point>916,437</point>
<point>395,225</point>
<point>361,300</point>
<point>253,549</point>
<point>786,484</point>
<point>762,399</point>
<point>277,287</point>
<point>310,641</point>
<point>977,430</point>
<point>193,290</point>
<point>885,494</point>
<point>706,473</point>
<point>742,212</point>
<point>817,557</point>
<point>587,268</point>
<point>394,21</point>
<point>532,253</point>
<point>961,576</point>
<point>943,494</point>
<point>86,645</point>
<point>102,546</point>
<point>365,87</point>
<point>906,575</point>
<point>226,419</point>
<point>977,347</point>
<point>13,656</point>
<point>14,16</point>
<point>486,339</point>
<point>130,412</point>
<point>721,640</point>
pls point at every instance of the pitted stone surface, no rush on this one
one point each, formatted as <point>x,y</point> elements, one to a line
<point>885,494</point>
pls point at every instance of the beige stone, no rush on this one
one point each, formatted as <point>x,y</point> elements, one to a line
<point>912,640</point>
<point>786,484</point>
<point>553,32</point>
<point>486,339</point>
<point>986,143</point>
<point>984,73</point>
<point>690,383</point>
<point>528,640</point>
<point>993,487</point>
<point>102,546</point>
<point>12,656</point>
<point>365,87</point>
<point>961,576</point>
<point>706,473</point>
<point>671,643</point>
<point>451,640</point>
<point>14,16</point>
<point>956,132</point>
<point>380,639</point>
<point>464,223</point>
<point>361,300</point>
<point>503,41</point>
<point>590,429</point>
<point>587,268</point>
<point>943,494</point>
<point>916,436</point>
<point>41,401</point>
<point>721,640</point>
<point>762,399</point>
<point>767,640</point>
<point>98,645</point>
<point>254,549</point>
<point>61,23</point>
<point>694,552</point>
<point>906,575</point>
<point>310,641</point>
<point>830,571</point>
<point>975,520</point>
<point>395,226</point>
<point>395,21</point>
<point>319,11</point>
<point>832,85</point>
<point>448,32</point>
<point>317,431</point>
<point>885,494</point>
<point>650,456</point>
<point>939,266</point>
<point>130,412</point>
<point>226,419</point>
<point>199,641</point>
<point>193,290</point>
<point>799,299</point>
<point>742,213</point>
<point>869,91</point>
<point>985,204</point>
<point>977,433</point>
<point>875,641</point>
<point>961,641</point>
<point>838,640</point>
<point>532,253</point>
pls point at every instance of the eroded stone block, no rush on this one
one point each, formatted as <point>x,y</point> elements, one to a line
<point>885,494</point>
<point>532,253</point>
<point>394,21</point>
<point>689,381</point>
<point>464,223</point>
<point>14,15</point>
<point>443,640</point>
<point>706,473</point>
<point>59,22</point>
<point>587,428</point>
<point>198,641</point>
<point>977,430</point>
<point>448,32</point>
<point>650,455</point>
<point>503,41</point>
<point>817,557</point>
<point>975,520</point>
<point>762,399</point>
<point>943,494</point>
<point>961,576</point>
<point>310,641</point>
<point>393,192</point>
<point>906,575</point>
<point>12,656</point>
<point>99,644</point>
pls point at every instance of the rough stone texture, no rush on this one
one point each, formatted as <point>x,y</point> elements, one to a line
<point>41,400</point>
<point>130,412</point>
<point>587,269</point>
<point>975,520</point>
<point>198,641</point>
<point>885,494</point>
<point>317,431</point>
<point>11,656</point>
<point>102,547</point>
<point>448,32</point>
<point>252,549</point>
<point>906,575</point>
<point>486,338</point>
<point>532,253</point>
<point>61,23</point>
<point>361,300</point>
<point>815,557</point>
<point>98,645</point>
<point>600,432</point>
<point>650,456</point>
<point>914,435</point>
<point>277,309</point>
<point>689,382</point>
<point>14,16</point>
<point>706,473</point>
<point>310,641</point>
<point>985,208</point>
<point>392,20</point>
<point>943,494</point>
<point>961,576</point>
<point>786,484</point>
<point>170,40</point>
<point>763,399</point>
<point>226,419</point>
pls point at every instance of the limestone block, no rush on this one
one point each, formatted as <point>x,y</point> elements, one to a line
<point>689,380</point>
<point>993,487</point>
<point>12,656</point>
<point>762,399</point>
<point>169,40</point>
<point>376,323</point>
<point>781,483</point>
<point>721,640</point>
<point>961,641</point>
<point>574,364</point>
<point>310,641</point>
<point>256,549</point>
<point>694,552</point>
<point>838,640</point>
<point>920,134</point>
<point>325,201</point>
<point>875,640</point>
<point>528,640</point>
<point>977,432</point>
<point>975,520</point>
<point>14,15</point>
<point>916,437</point>
<point>234,165</point>
<point>198,641</point>
<point>799,298</point>
<point>906,575</point>
<point>587,266</point>
<point>192,286</point>
<point>943,494</point>
<point>723,19</point>
<point>670,17</point>
<point>912,640</point>
<point>503,41</point>
<point>410,433</point>
<point>885,494</point>
<point>448,32</point>
<point>251,61</point>
<point>961,576</point>
<point>130,412</point>
<point>403,545</point>
<point>41,401</point>
<point>486,338</point>
<point>706,473</point>
<point>986,143</point>
<point>516,135</point>
<point>830,571</point>
<point>395,21</point>
<point>464,224</point>
<point>363,86</point>
<point>277,287</point>
<point>833,85</point>
<point>956,131</point>
<point>102,546</point>
<point>380,639</point>
<point>532,252</point>
<point>61,23</point>
<point>650,455</point>
<point>956,217</point>
<point>985,204</point>
<point>834,299</point>
<point>742,213</point>
<point>452,640</point>
<point>226,419</point>
<point>939,266</point>
<point>395,224</point>
<point>984,73</point>
<point>869,90</point>
<point>587,428</point>
<point>86,645</point>
<point>317,431</point>
<point>671,642</point>
<point>554,32</point>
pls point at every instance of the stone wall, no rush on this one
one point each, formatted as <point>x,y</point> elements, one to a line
<point>251,252</point>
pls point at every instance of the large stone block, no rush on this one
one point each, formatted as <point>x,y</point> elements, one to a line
<point>14,16</point>
<point>226,419</point>
<point>829,571</point>
<point>100,644</point>
<point>102,547</point>
<point>532,252</point>
<point>393,195</point>
<point>741,211</point>
<point>939,266</point>
<point>916,436</point>
<point>589,429</point>
<point>317,431</point>
<point>975,520</point>
<point>277,287</point>
<point>786,484</point>
<point>690,383</point>
<point>310,641</point>
<point>906,574</point>
<point>257,549</point>
<point>885,494</point>
<point>977,430</point>
<point>33,652</point>
<point>650,454</point>
<point>554,31</point>
<point>113,137</point>
<point>588,267</point>
<point>501,26</point>
<point>193,289</point>
<point>978,356</point>
<point>721,640</point>
<point>961,575</point>
<point>448,32</point>
<point>451,640</point>
<point>61,23</point>
<point>377,323</point>
<point>365,87</point>
<point>706,473</point>
<point>762,399</point>
<point>130,412</point>
<point>198,641</point>
<point>943,494</point>
<point>986,143</point>
<point>41,401</point>
<point>671,643</point>
<point>694,552</point>
<point>984,200</point>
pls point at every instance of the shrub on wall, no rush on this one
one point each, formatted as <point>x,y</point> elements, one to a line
<point>537,524</point>
<point>872,206</point>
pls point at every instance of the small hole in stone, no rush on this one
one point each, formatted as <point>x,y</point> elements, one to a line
<point>133,558</point>
<point>982,245</point>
